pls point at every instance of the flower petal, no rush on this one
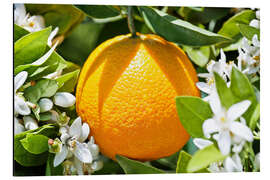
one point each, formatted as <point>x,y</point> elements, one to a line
<point>78,165</point>
<point>204,87</point>
<point>236,110</point>
<point>64,99</point>
<point>60,157</point>
<point>84,133</point>
<point>215,102</point>
<point>82,153</point>
<point>97,165</point>
<point>205,75</point>
<point>229,165</point>
<point>224,142</point>
<point>21,107</point>
<point>242,131</point>
<point>52,35</point>
<point>209,127</point>
<point>20,79</point>
<point>237,162</point>
<point>18,127</point>
<point>201,143</point>
<point>94,149</point>
<point>76,128</point>
<point>45,104</point>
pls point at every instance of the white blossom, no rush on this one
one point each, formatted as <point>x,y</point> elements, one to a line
<point>224,123</point>
<point>18,126</point>
<point>45,104</point>
<point>233,164</point>
<point>30,123</point>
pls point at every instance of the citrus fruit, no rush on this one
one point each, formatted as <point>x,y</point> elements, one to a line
<point>126,93</point>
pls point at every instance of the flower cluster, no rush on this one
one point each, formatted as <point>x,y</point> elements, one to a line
<point>227,126</point>
<point>77,156</point>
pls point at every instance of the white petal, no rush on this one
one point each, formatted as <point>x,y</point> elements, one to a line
<point>209,127</point>
<point>204,87</point>
<point>64,99</point>
<point>60,157</point>
<point>201,143</point>
<point>255,23</point>
<point>97,165</point>
<point>45,104</point>
<point>222,56</point>
<point>21,107</point>
<point>215,102</point>
<point>30,123</point>
<point>18,127</point>
<point>52,35</point>
<point>236,110</point>
<point>229,165</point>
<point>83,153</point>
<point>224,142</point>
<point>20,79</point>
<point>84,133</point>
<point>43,58</point>
<point>237,162</point>
<point>94,149</point>
<point>204,75</point>
<point>54,116</point>
<point>255,41</point>
<point>78,165</point>
<point>242,131</point>
<point>64,137</point>
<point>76,128</point>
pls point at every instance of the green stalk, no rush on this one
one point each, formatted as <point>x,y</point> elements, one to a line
<point>131,26</point>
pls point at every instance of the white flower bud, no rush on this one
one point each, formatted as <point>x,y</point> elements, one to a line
<point>20,79</point>
<point>18,127</point>
<point>64,99</point>
<point>255,23</point>
<point>97,165</point>
<point>45,104</point>
<point>30,123</point>
<point>94,149</point>
<point>55,116</point>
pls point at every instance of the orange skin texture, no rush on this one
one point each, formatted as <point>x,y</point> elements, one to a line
<point>126,93</point>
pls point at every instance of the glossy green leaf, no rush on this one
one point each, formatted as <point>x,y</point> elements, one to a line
<point>248,31</point>
<point>182,162</point>
<point>25,158</point>
<point>204,157</point>
<point>18,32</point>
<point>199,56</point>
<point>225,94</point>
<point>243,90</point>
<point>255,117</point>
<point>46,116</point>
<point>43,88</point>
<point>86,36</point>
<point>136,167</point>
<point>35,144</point>
<point>101,13</point>
<point>193,111</point>
<point>30,47</point>
<point>65,17</point>
<point>177,30</point>
<point>230,28</point>
<point>203,15</point>
<point>67,82</point>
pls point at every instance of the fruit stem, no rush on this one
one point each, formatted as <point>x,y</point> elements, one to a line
<point>130,20</point>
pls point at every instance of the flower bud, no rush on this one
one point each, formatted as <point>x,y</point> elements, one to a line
<point>64,99</point>
<point>18,127</point>
<point>45,104</point>
<point>30,123</point>
<point>94,149</point>
<point>63,119</point>
<point>55,146</point>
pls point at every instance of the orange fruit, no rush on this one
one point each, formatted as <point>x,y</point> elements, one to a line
<point>126,93</point>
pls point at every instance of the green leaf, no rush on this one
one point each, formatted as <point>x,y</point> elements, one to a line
<point>35,144</point>
<point>67,82</point>
<point>204,15</point>
<point>46,116</point>
<point>193,111</point>
<point>25,158</point>
<point>182,162</point>
<point>43,88</point>
<point>136,167</point>
<point>248,31</point>
<point>225,94</point>
<point>243,90</point>
<point>54,63</point>
<point>199,56</point>
<point>190,147</point>
<point>101,13</point>
<point>19,32</point>
<point>230,28</point>
<point>255,117</point>
<point>65,17</point>
<point>204,157</point>
<point>177,30</point>
<point>50,169</point>
<point>30,47</point>
<point>86,36</point>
